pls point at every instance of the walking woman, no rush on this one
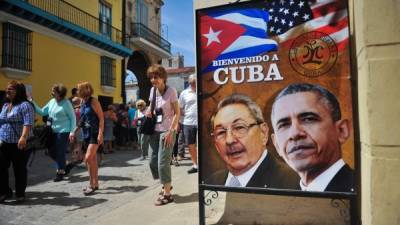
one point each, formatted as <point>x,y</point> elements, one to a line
<point>77,153</point>
<point>143,139</point>
<point>16,122</point>
<point>162,141</point>
<point>61,115</point>
<point>92,125</point>
<point>110,117</point>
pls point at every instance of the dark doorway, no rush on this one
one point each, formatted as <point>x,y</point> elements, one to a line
<point>2,98</point>
<point>138,64</point>
<point>105,101</point>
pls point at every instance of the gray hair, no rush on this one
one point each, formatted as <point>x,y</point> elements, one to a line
<point>326,97</point>
<point>245,100</point>
<point>192,77</point>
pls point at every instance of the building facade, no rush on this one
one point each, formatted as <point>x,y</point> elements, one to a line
<point>47,42</point>
<point>175,61</point>
<point>143,28</point>
<point>178,77</point>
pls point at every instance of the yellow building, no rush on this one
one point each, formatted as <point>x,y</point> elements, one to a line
<point>46,42</point>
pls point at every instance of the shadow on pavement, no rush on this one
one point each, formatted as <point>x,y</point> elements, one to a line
<point>59,199</point>
<point>85,178</point>
<point>118,190</point>
<point>118,164</point>
<point>185,164</point>
<point>194,197</point>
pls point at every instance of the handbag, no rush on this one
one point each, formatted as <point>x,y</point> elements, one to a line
<point>45,136</point>
<point>149,124</point>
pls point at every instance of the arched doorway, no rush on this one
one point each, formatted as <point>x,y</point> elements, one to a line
<point>138,64</point>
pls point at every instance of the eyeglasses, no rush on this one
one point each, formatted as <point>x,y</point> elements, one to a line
<point>237,130</point>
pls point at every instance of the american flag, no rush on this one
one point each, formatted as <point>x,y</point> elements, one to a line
<point>290,18</point>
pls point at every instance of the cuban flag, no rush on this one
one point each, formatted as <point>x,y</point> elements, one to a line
<point>236,33</point>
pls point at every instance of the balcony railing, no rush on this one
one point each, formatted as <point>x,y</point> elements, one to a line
<point>74,15</point>
<point>140,30</point>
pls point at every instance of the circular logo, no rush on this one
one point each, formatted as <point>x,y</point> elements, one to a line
<point>313,54</point>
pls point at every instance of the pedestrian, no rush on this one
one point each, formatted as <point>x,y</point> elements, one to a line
<point>74,94</point>
<point>132,133</point>
<point>16,122</point>
<point>143,139</point>
<point>181,141</point>
<point>188,104</point>
<point>121,134</point>
<point>109,119</point>
<point>61,116</point>
<point>76,146</point>
<point>162,141</point>
<point>179,145</point>
<point>92,125</point>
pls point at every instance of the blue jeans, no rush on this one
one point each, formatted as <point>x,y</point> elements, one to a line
<point>160,157</point>
<point>59,148</point>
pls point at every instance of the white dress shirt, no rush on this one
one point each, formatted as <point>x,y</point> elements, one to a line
<point>245,177</point>
<point>321,182</point>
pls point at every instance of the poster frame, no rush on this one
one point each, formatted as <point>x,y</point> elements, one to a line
<point>353,197</point>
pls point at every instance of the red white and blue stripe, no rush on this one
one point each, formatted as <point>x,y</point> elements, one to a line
<point>234,34</point>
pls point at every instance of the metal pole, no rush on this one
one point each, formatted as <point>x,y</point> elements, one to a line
<point>202,216</point>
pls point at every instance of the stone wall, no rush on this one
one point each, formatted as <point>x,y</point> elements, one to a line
<point>377,34</point>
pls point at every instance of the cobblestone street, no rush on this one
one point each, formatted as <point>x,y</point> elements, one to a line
<point>123,178</point>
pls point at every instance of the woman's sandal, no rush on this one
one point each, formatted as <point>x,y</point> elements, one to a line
<point>89,190</point>
<point>163,200</point>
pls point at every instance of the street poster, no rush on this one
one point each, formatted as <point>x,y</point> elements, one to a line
<point>275,96</point>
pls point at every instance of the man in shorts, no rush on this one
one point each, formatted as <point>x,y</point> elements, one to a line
<point>188,105</point>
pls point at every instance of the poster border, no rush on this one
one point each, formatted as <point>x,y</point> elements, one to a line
<point>353,197</point>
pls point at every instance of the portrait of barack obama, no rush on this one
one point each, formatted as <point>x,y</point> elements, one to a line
<point>308,132</point>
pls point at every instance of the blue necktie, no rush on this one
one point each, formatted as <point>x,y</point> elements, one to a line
<point>234,182</point>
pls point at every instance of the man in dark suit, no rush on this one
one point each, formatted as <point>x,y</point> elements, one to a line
<point>308,134</point>
<point>240,136</point>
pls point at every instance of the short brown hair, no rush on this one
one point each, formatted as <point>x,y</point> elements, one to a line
<point>85,89</point>
<point>60,89</point>
<point>157,70</point>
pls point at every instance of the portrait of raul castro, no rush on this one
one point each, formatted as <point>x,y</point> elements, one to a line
<point>240,136</point>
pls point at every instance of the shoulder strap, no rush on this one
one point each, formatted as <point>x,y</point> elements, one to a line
<point>153,100</point>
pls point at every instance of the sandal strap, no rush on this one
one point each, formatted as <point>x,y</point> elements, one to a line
<point>164,199</point>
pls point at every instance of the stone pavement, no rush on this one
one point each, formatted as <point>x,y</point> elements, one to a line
<point>126,196</point>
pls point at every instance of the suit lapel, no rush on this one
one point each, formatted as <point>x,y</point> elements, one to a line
<point>343,181</point>
<point>262,176</point>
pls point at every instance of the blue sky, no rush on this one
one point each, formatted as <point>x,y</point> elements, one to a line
<point>178,16</point>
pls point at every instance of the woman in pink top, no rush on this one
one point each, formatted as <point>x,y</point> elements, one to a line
<point>162,141</point>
